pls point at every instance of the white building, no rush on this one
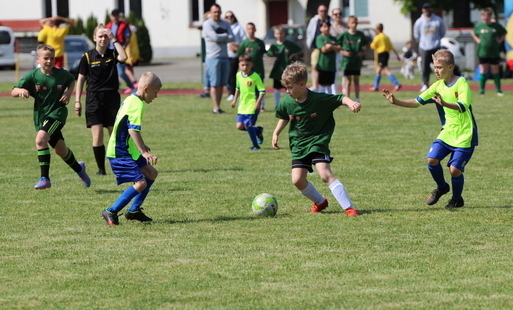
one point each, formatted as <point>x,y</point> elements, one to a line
<point>173,23</point>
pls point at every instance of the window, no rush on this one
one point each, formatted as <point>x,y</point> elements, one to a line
<point>197,12</point>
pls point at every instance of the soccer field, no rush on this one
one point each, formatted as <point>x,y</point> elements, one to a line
<point>206,250</point>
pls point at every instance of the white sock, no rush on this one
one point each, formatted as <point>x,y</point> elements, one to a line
<point>327,89</point>
<point>277,95</point>
<point>338,190</point>
<point>334,88</point>
<point>311,193</point>
<point>321,89</point>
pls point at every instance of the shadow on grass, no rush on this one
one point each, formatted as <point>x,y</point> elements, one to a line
<point>221,219</point>
<point>201,170</point>
<point>102,191</point>
<point>423,209</point>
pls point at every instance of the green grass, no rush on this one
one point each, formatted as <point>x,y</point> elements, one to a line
<point>205,250</point>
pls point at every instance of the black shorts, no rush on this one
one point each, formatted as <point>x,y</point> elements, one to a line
<point>277,84</point>
<point>53,128</point>
<point>102,107</point>
<point>489,60</point>
<point>352,72</point>
<point>383,59</point>
<point>311,159</point>
<point>326,78</point>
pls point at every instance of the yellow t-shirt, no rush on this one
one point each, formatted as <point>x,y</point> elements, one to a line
<point>54,37</point>
<point>381,43</point>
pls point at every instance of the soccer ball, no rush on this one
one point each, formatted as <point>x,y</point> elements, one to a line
<point>265,205</point>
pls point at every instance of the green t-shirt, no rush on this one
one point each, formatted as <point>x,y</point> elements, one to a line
<point>488,34</point>
<point>459,128</point>
<point>255,49</point>
<point>353,43</point>
<point>282,53</point>
<point>129,117</point>
<point>47,90</point>
<point>248,87</point>
<point>327,61</point>
<point>311,123</point>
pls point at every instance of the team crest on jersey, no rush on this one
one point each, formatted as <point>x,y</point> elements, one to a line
<point>294,117</point>
<point>38,87</point>
<point>45,87</point>
<point>313,115</point>
<point>456,95</point>
<point>59,87</point>
<point>249,83</point>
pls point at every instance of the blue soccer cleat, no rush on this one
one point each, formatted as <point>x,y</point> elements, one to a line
<point>83,175</point>
<point>43,183</point>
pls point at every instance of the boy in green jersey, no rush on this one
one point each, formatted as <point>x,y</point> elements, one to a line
<point>255,48</point>
<point>129,157</point>
<point>458,136</point>
<point>247,84</point>
<point>310,115</point>
<point>51,88</point>
<point>488,36</point>
<point>285,52</point>
<point>326,64</point>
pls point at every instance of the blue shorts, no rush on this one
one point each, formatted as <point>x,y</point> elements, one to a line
<point>460,156</point>
<point>127,169</point>
<point>248,120</point>
<point>217,71</point>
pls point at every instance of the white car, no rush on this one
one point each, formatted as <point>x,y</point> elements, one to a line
<point>7,40</point>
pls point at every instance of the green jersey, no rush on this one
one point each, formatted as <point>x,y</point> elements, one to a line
<point>282,53</point>
<point>459,128</point>
<point>47,90</point>
<point>255,49</point>
<point>327,61</point>
<point>248,87</point>
<point>311,123</point>
<point>488,34</point>
<point>352,43</point>
<point>129,117</point>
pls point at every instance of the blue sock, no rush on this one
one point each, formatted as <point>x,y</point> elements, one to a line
<point>392,78</point>
<point>377,79</point>
<point>123,200</point>
<point>139,199</point>
<point>252,135</point>
<point>437,172</point>
<point>457,187</point>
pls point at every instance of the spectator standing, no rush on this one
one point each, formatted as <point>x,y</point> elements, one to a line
<point>326,66</point>
<point>312,31</point>
<point>132,53</point>
<point>488,36</point>
<point>121,31</point>
<point>238,36</point>
<point>382,46</point>
<point>255,48</point>
<point>217,33</point>
<point>53,33</point>
<point>428,30</point>
<point>338,26</point>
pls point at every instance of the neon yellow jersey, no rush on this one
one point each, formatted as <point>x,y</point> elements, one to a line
<point>248,87</point>
<point>459,128</point>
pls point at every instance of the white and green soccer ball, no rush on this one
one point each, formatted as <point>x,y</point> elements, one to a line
<point>265,205</point>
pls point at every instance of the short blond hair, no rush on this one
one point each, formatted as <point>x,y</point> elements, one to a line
<point>294,73</point>
<point>444,55</point>
<point>149,79</point>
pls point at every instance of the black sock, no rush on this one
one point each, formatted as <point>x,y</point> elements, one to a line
<point>99,155</point>
<point>44,162</point>
<point>72,162</point>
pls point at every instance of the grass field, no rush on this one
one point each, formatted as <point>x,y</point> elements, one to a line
<point>205,250</point>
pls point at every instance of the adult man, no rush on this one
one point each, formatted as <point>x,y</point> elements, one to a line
<point>217,33</point>
<point>428,30</point>
<point>122,32</point>
<point>312,31</point>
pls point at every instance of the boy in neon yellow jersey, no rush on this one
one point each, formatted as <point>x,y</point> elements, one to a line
<point>458,136</point>
<point>248,84</point>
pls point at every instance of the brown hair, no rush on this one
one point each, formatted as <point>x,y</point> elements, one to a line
<point>245,57</point>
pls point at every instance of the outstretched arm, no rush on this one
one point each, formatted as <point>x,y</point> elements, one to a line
<point>20,92</point>
<point>351,104</point>
<point>410,103</point>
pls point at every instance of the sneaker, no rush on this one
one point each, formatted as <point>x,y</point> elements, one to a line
<point>139,215</point>
<point>127,91</point>
<point>229,98</point>
<point>83,175</point>
<point>218,111</point>
<point>500,94</point>
<point>260,135</point>
<point>110,217</point>
<point>204,95</point>
<point>352,212</point>
<point>319,208</point>
<point>43,183</point>
<point>373,89</point>
<point>423,88</point>
<point>455,204</point>
<point>397,87</point>
<point>437,193</point>
<point>254,148</point>
<point>101,172</point>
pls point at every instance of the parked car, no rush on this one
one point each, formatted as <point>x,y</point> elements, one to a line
<point>74,47</point>
<point>7,54</point>
<point>294,33</point>
<point>369,33</point>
